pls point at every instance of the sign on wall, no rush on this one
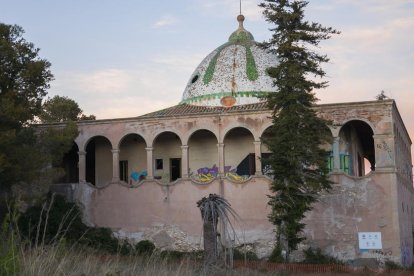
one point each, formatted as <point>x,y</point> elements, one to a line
<point>369,240</point>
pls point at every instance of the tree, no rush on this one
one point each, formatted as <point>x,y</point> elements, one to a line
<point>298,161</point>
<point>381,96</point>
<point>26,152</point>
<point>214,210</point>
<point>62,109</point>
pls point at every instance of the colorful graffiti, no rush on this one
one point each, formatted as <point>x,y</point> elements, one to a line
<point>138,176</point>
<point>207,174</point>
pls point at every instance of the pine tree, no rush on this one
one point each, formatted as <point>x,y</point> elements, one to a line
<point>298,160</point>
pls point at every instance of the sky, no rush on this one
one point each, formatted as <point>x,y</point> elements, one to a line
<point>127,58</point>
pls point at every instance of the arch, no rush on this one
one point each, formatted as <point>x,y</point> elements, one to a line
<point>369,123</point>
<point>98,160</point>
<point>187,137</point>
<point>239,151</point>
<point>167,154</point>
<point>132,158</point>
<point>125,135</point>
<point>157,134</point>
<point>233,127</point>
<point>356,145</point>
<point>88,140</point>
<point>203,155</point>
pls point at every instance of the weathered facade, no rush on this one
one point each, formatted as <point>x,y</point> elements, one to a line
<point>142,176</point>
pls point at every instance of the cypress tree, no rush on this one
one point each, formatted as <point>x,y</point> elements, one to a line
<point>298,160</point>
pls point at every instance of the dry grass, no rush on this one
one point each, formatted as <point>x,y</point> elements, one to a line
<point>59,260</point>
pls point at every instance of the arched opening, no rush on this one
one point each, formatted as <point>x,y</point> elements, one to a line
<point>98,161</point>
<point>239,157</point>
<point>70,166</point>
<point>167,157</point>
<point>203,155</point>
<point>132,159</point>
<point>356,148</point>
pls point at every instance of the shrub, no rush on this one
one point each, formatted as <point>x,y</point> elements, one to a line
<point>239,254</point>
<point>317,257</point>
<point>392,265</point>
<point>57,219</point>
<point>145,247</point>
<point>276,256</point>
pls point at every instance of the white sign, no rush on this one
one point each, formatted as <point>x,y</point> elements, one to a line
<point>369,240</point>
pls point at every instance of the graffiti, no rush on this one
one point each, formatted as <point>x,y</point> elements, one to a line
<point>138,176</point>
<point>385,252</point>
<point>384,146</point>
<point>207,174</point>
<point>235,177</point>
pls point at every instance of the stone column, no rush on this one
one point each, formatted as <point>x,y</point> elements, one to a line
<point>184,158</point>
<point>82,166</point>
<point>220,147</point>
<point>335,153</point>
<point>115,165</point>
<point>257,155</point>
<point>150,162</point>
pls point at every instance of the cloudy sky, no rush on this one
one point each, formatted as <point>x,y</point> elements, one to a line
<point>127,58</point>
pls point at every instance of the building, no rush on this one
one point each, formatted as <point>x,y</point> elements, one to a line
<point>142,176</point>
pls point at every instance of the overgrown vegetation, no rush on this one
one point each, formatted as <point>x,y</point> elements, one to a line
<point>298,162</point>
<point>316,256</point>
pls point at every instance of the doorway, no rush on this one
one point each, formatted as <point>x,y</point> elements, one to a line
<point>175,168</point>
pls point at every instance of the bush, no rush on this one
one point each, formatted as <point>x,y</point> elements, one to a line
<point>392,265</point>
<point>276,256</point>
<point>248,255</point>
<point>317,257</point>
<point>57,219</point>
<point>145,247</point>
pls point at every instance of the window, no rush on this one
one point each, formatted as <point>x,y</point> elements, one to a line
<point>159,165</point>
<point>345,163</point>
<point>330,161</point>
<point>123,170</point>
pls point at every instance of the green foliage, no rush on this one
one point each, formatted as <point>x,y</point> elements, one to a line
<point>25,152</point>
<point>62,109</point>
<point>57,219</point>
<point>392,265</point>
<point>317,257</point>
<point>297,161</point>
<point>240,254</point>
<point>9,249</point>
<point>276,256</point>
<point>145,247</point>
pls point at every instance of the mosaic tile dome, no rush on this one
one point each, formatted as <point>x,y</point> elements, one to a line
<point>233,74</point>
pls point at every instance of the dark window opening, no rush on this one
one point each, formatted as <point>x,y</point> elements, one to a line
<point>247,166</point>
<point>123,170</point>
<point>195,78</point>
<point>159,164</point>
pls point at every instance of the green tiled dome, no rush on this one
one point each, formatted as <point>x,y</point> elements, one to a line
<point>236,70</point>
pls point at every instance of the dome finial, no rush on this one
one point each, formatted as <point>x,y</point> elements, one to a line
<point>240,19</point>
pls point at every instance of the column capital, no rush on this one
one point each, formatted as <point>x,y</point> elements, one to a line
<point>220,145</point>
<point>257,143</point>
<point>81,152</point>
<point>115,150</point>
<point>149,148</point>
<point>184,147</point>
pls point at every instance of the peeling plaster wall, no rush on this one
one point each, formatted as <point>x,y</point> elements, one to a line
<point>354,205</point>
<point>167,213</point>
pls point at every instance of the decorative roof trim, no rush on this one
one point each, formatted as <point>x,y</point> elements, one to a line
<point>212,96</point>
